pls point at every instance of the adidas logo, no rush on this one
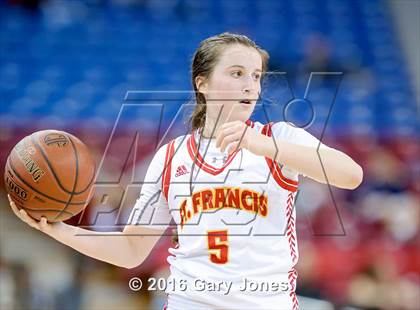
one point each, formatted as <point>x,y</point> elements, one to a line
<point>181,170</point>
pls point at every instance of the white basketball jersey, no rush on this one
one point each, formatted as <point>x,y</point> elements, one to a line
<point>235,219</point>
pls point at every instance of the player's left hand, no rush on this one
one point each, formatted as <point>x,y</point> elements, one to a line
<point>236,135</point>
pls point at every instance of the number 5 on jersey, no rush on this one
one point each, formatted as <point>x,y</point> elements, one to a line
<point>217,242</point>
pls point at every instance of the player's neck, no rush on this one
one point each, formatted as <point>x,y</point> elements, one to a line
<point>206,134</point>
<point>211,129</point>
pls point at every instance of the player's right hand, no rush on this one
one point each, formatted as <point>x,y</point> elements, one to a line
<point>41,225</point>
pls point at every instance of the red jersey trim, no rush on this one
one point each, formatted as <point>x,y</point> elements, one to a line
<point>288,184</point>
<point>291,228</point>
<point>166,175</point>
<point>250,123</point>
<point>195,156</point>
<point>292,276</point>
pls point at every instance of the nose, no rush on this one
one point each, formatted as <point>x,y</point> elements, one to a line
<point>249,86</point>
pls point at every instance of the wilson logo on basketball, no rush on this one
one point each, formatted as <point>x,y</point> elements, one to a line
<point>56,139</point>
<point>66,186</point>
<point>181,170</point>
<point>34,170</point>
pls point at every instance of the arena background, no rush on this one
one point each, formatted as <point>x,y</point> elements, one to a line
<point>69,64</point>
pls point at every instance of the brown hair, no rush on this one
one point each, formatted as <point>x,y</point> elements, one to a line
<point>204,61</point>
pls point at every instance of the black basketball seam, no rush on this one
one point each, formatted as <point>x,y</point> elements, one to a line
<point>12,168</point>
<point>75,177</point>
<point>56,177</point>
<point>87,186</point>
<point>54,174</point>
<point>48,164</point>
<point>55,140</point>
<point>91,180</point>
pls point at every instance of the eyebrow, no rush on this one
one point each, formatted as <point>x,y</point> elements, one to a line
<point>243,67</point>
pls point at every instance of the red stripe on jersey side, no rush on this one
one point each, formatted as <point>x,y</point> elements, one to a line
<point>291,228</point>
<point>292,276</point>
<point>195,155</point>
<point>288,184</point>
<point>166,175</point>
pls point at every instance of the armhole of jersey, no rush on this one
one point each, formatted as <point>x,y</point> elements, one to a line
<point>287,184</point>
<point>166,174</point>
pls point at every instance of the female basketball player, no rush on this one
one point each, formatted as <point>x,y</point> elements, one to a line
<point>229,186</point>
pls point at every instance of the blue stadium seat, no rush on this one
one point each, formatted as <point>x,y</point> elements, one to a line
<point>77,62</point>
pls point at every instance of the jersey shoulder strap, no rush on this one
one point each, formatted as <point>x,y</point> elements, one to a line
<point>275,169</point>
<point>167,167</point>
<point>171,149</point>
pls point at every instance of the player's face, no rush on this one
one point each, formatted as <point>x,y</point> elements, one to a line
<point>235,78</point>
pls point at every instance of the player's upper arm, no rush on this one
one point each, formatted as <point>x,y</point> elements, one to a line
<point>293,134</point>
<point>296,135</point>
<point>150,215</point>
<point>151,211</point>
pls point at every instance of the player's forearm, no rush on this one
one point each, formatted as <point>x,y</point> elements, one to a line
<point>110,247</point>
<point>326,165</point>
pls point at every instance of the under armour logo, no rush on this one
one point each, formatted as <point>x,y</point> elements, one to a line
<point>215,159</point>
<point>181,170</point>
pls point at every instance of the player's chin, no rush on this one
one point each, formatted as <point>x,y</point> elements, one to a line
<point>245,111</point>
<point>243,114</point>
<point>240,112</point>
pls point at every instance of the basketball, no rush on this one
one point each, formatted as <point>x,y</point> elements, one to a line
<point>50,173</point>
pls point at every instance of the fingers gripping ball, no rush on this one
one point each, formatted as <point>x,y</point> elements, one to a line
<point>50,173</point>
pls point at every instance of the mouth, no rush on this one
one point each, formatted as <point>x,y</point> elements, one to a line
<point>246,101</point>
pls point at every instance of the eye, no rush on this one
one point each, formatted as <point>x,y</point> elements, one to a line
<point>236,74</point>
<point>257,76</point>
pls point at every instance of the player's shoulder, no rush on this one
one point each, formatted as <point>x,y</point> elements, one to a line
<point>180,139</point>
<point>165,151</point>
<point>279,128</point>
<point>172,143</point>
<point>284,128</point>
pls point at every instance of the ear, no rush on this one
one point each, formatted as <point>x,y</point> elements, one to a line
<point>201,84</point>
